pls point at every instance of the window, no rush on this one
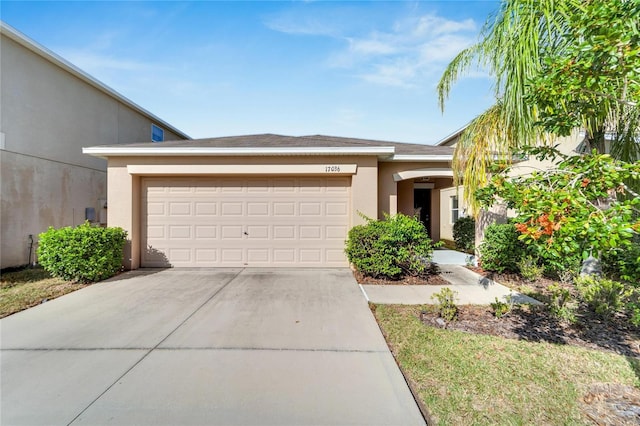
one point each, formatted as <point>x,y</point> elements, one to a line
<point>455,211</point>
<point>157,134</point>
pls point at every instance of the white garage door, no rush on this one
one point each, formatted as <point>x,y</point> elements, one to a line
<point>225,221</point>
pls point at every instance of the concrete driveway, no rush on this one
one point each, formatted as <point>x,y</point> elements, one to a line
<point>205,346</point>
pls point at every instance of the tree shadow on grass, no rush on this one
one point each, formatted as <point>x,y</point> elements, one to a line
<point>538,324</point>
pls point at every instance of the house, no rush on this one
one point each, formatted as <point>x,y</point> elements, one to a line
<point>50,109</point>
<point>264,200</point>
<point>452,204</point>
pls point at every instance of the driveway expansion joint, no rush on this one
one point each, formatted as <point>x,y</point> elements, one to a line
<point>214,348</point>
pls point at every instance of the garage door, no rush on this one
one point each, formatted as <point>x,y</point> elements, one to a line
<point>225,221</point>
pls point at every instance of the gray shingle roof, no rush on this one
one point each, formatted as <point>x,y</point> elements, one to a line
<point>280,141</point>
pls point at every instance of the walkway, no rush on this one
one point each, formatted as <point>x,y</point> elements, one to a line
<point>471,288</point>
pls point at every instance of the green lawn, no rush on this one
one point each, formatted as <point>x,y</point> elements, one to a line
<point>465,378</point>
<point>23,289</point>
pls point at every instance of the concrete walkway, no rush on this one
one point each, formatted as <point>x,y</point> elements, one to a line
<point>204,347</point>
<point>471,288</point>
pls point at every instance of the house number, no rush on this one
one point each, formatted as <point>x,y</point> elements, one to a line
<point>331,169</point>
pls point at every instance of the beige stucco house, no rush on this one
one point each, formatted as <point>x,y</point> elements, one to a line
<point>49,110</point>
<point>264,200</point>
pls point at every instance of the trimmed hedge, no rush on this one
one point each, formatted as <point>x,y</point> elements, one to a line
<point>501,250</point>
<point>82,254</point>
<point>464,234</point>
<point>390,248</point>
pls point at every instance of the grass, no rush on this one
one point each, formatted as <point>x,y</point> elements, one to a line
<point>465,378</point>
<point>22,289</point>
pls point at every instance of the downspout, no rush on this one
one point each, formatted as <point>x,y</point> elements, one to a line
<point>30,250</point>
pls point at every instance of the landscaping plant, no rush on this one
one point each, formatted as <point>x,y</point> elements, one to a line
<point>83,254</point>
<point>500,308</point>
<point>529,268</point>
<point>604,296</point>
<point>446,304</point>
<point>501,250</point>
<point>583,206</point>
<point>464,234</point>
<point>391,248</point>
<point>561,304</point>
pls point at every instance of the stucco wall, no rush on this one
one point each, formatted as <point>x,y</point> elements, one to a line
<point>49,113</point>
<point>47,116</point>
<point>124,188</point>
<point>446,220</point>
<point>39,193</point>
<point>388,189</point>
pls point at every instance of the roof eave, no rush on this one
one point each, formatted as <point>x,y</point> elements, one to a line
<point>110,151</point>
<point>422,158</point>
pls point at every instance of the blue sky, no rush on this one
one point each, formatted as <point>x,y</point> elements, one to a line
<point>212,68</point>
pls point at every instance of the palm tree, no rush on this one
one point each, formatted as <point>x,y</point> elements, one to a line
<point>513,47</point>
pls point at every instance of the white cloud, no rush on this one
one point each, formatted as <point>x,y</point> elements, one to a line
<point>403,55</point>
<point>372,46</point>
<point>290,23</point>
<point>400,73</point>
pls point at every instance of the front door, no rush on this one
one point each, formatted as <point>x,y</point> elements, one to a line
<point>422,206</point>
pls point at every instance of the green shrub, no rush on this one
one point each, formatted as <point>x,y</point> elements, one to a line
<point>501,250</point>
<point>500,308</point>
<point>84,253</point>
<point>529,268</point>
<point>561,304</point>
<point>464,234</point>
<point>396,246</point>
<point>604,296</point>
<point>564,268</point>
<point>624,263</point>
<point>446,304</point>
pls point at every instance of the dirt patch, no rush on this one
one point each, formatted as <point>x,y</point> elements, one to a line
<point>612,404</point>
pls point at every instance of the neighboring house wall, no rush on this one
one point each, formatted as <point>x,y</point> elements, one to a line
<point>47,115</point>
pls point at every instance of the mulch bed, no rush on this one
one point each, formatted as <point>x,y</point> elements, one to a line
<point>433,279</point>
<point>536,324</point>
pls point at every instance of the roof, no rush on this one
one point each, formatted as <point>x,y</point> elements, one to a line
<point>57,60</point>
<point>453,137</point>
<point>270,144</point>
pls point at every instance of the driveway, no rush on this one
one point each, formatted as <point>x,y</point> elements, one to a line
<point>203,346</point>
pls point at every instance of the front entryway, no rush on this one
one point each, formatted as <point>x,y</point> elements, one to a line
<point>422,206</point>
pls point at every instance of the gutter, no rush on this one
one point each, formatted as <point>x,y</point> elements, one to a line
<point>115,151</point>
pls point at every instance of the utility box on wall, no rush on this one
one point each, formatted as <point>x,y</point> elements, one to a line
<point>90,214</point>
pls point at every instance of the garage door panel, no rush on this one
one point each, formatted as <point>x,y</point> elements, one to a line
<point>284,209</point>
<point>257,208</point>
<point>206,208</point>
<point>259,232</point>
<point>233,256</point>
<point>206,256</point>
<point>180,208</point>
<point>310,232</point>
<point>274,221</point>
